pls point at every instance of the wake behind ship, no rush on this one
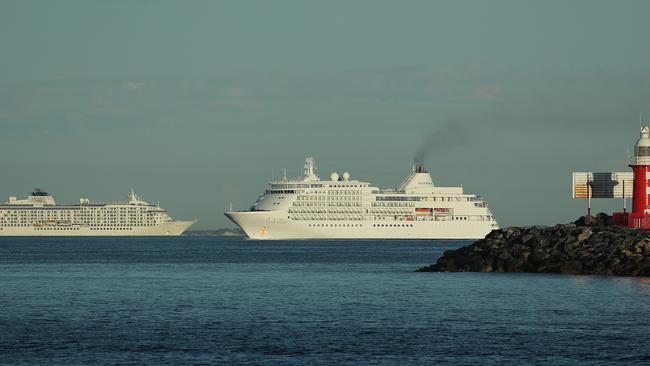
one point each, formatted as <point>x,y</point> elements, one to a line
<point>343,208</point>
<point>39,215</point>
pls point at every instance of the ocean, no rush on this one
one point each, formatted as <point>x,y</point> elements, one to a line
<point>219,300</point>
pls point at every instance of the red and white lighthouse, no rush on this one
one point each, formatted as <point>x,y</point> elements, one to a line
<point>640,164</point>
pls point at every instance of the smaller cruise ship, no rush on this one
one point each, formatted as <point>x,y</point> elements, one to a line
<point>39,215</point>
<point>345,208</point>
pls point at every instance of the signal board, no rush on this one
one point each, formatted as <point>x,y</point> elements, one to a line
<point>603,185</point>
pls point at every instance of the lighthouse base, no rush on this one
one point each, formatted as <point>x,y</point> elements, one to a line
<point>632,220</point>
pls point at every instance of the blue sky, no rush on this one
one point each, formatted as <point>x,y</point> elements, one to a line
<point>196,103</point>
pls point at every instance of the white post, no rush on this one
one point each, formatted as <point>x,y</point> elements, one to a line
<point>624,200</point>
<point>588,199</point>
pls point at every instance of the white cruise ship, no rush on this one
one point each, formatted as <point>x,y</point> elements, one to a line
<point>344,208</point>
<point>39,215</point>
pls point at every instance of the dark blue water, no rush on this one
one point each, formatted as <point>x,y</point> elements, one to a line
<point>210,300</point>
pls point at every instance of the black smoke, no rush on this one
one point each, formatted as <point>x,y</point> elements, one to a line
<point>448,136</point>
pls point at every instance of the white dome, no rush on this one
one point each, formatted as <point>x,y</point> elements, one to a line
<point>644,140</point>
<point>334,176</point>
<point>346,176</point>
<point>643,143</point>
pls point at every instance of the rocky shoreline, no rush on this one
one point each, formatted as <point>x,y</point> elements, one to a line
<point>587,247</point>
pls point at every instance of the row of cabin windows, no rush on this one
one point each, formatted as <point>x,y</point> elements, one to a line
<point>392,225</point>
<point>117,226</point>
<point>332,217</point>
<point>56,228</point>
<point>293,186</point>
<point>84,221</point>
<point>85,210</point>
<point>335,225</point>
<point>328,198</point>
<point>333,192</point>
<point>348,185</point>
<point>33,217</point>
<point>76,228</point>
<point>75,215</point>
<point>327,204</point>
<point>393,204</point>
<point>434,199</point>
<point>332,210</point>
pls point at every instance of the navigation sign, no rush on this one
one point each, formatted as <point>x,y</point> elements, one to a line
<point>603,185</point>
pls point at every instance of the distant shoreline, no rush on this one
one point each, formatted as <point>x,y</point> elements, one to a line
<point>234,232</point>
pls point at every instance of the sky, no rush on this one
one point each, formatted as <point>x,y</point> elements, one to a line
<point>198,104</point>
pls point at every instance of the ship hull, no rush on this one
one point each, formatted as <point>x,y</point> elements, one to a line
<point>261,225</point>
<point>173,228</point>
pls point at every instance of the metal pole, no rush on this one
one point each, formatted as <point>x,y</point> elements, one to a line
<point>624,200</point>
<point>588,200</point>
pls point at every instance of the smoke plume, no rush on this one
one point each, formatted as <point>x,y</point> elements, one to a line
<point>446,137</point>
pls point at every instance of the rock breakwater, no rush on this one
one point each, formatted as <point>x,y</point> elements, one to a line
<point>588,247</point>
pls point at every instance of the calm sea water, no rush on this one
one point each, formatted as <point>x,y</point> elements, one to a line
<point>189,300</point>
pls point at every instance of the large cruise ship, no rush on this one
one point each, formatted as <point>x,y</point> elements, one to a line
<point>344,208</point>
<point>39,215</point>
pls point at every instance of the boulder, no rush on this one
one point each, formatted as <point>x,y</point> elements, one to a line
<point>588,246</point>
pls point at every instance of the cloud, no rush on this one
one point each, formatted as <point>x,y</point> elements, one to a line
<point>232,103</point>
<point>488,92</point>
<point>133,85</point>
<point>235,92</point>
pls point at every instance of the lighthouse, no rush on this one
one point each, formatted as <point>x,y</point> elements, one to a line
<point>640,165</point>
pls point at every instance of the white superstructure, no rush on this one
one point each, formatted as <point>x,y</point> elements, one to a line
<point>39,215</point>
<point>344,208</point>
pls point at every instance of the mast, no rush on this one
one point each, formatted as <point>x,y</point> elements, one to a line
<point>309,173</point>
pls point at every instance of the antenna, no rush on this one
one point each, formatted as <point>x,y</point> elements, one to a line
<point>284,177</point>
<point>310,169</point>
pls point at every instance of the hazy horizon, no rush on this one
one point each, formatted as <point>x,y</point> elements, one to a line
<point>197,104</point>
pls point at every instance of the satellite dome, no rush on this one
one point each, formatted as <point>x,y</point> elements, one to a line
<point>346,176</point>
<point>334,176</point>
